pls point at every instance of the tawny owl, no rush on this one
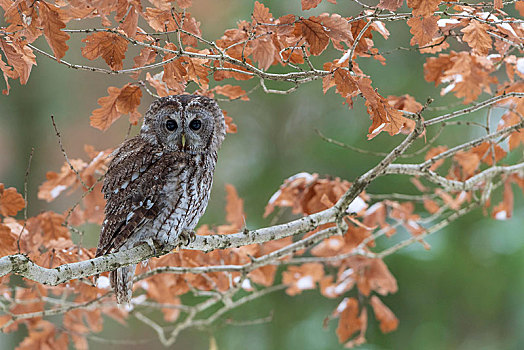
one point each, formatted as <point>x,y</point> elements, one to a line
<point>157,185</point>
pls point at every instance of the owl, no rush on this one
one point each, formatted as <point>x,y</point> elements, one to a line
<point>158,183</point>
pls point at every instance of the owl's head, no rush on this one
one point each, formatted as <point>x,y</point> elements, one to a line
<point>185,123</point>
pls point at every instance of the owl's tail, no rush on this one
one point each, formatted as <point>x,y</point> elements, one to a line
<point>122,282</point>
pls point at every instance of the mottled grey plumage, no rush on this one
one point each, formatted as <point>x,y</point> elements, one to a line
<point>157,185</point>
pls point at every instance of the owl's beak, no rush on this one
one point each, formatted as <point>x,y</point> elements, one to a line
<point>183,140</point>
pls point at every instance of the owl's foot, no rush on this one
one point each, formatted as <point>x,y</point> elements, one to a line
<point>151,244</point>
<point>187,236</point>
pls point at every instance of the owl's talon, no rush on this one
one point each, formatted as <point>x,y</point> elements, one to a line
<point>187,236</point>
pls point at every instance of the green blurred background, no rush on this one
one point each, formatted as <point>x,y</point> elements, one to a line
<point>464,293</point>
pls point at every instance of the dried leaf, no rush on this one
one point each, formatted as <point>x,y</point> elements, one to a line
<point>431,206</point>
<point>43,335</point>
<point>130,23</point>
<point>231,91</point>
<point>128,101</point>
<point>337,28</point>
<point>423,8</point>
<point>485,152</point>
<point>314,33</point>
<point>111,47</point>
<point>435,151</point>
<point>52,25</point>
<point>383,116</point>
<point>303,277</point>
<point>234,208</point>
<point>310,4</point>
<point>423,29</point>
<point>11,202</point>
<point>349,322</point>
<point>264,51</point>
<point>261,13</point>
<point>388,320</point>
<point>8,239</point>
<point>504,210</point>
<point>477,37</point>
<point>516,138</point>
<point>107,114</point>
<point>20,57</point>
<point>391,5</point>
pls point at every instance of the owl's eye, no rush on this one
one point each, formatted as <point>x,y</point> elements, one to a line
<point>171,125</point>
<point>195,124</point>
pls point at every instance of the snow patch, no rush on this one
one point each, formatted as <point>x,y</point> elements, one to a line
<point>373,208</point>
<point>377,129</point>
<point>305,282</point>
<point>445,21</point>
<point>139,299</point>
<point>274,197</point>
<point>343,304</point>
<point>501,215</point>
<point>307,176</point>
<point>56,191</point>
<point>334,243</point>
<point>102,282</point>
<point>246,285</point>
<point>357,205</point>
<point>520,65</point>
<point>346,274</point>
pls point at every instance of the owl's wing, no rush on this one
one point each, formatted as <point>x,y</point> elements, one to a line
<point>132,187</point>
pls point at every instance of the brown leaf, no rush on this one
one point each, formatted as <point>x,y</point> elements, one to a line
<point>337,28</point>
<point>158,84</point>
<point>234,208</point>
<point>58,182</point>
<point>147,56</point>
<point>310,4</point>
<point>303,277</point>
<point>431,206</point>
<point>52,25</point>
<point>196,70</point>
<point>49,225</point>
<point>477,37</point>
<point>20,57</point>
<point>111,47</point>
<point>130,23</point>
<point>423,29</point>
<point>8,239</point>
<point>261,13</point>
<point>107,114</point>
<point>231,127</point>
<point>128,101</point>
<point>264,51</point>
<point>342,79</point>
<point>519,6</point>
<point>423,8</point>
<point>485,152</point>
<point>388,320</point>
<point>435,67</point>
<point>231,91</point>
<point>349,322</point>
<point>504,210</point>
<point>516,138</point>
<point>11,202</point>
<point>383,116</point>
<point>391,5</point>
<point>438,44</point>
<point>373,275</point>
<point>435,151</point>
<point>314,33</point>
<point>43,335</point>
